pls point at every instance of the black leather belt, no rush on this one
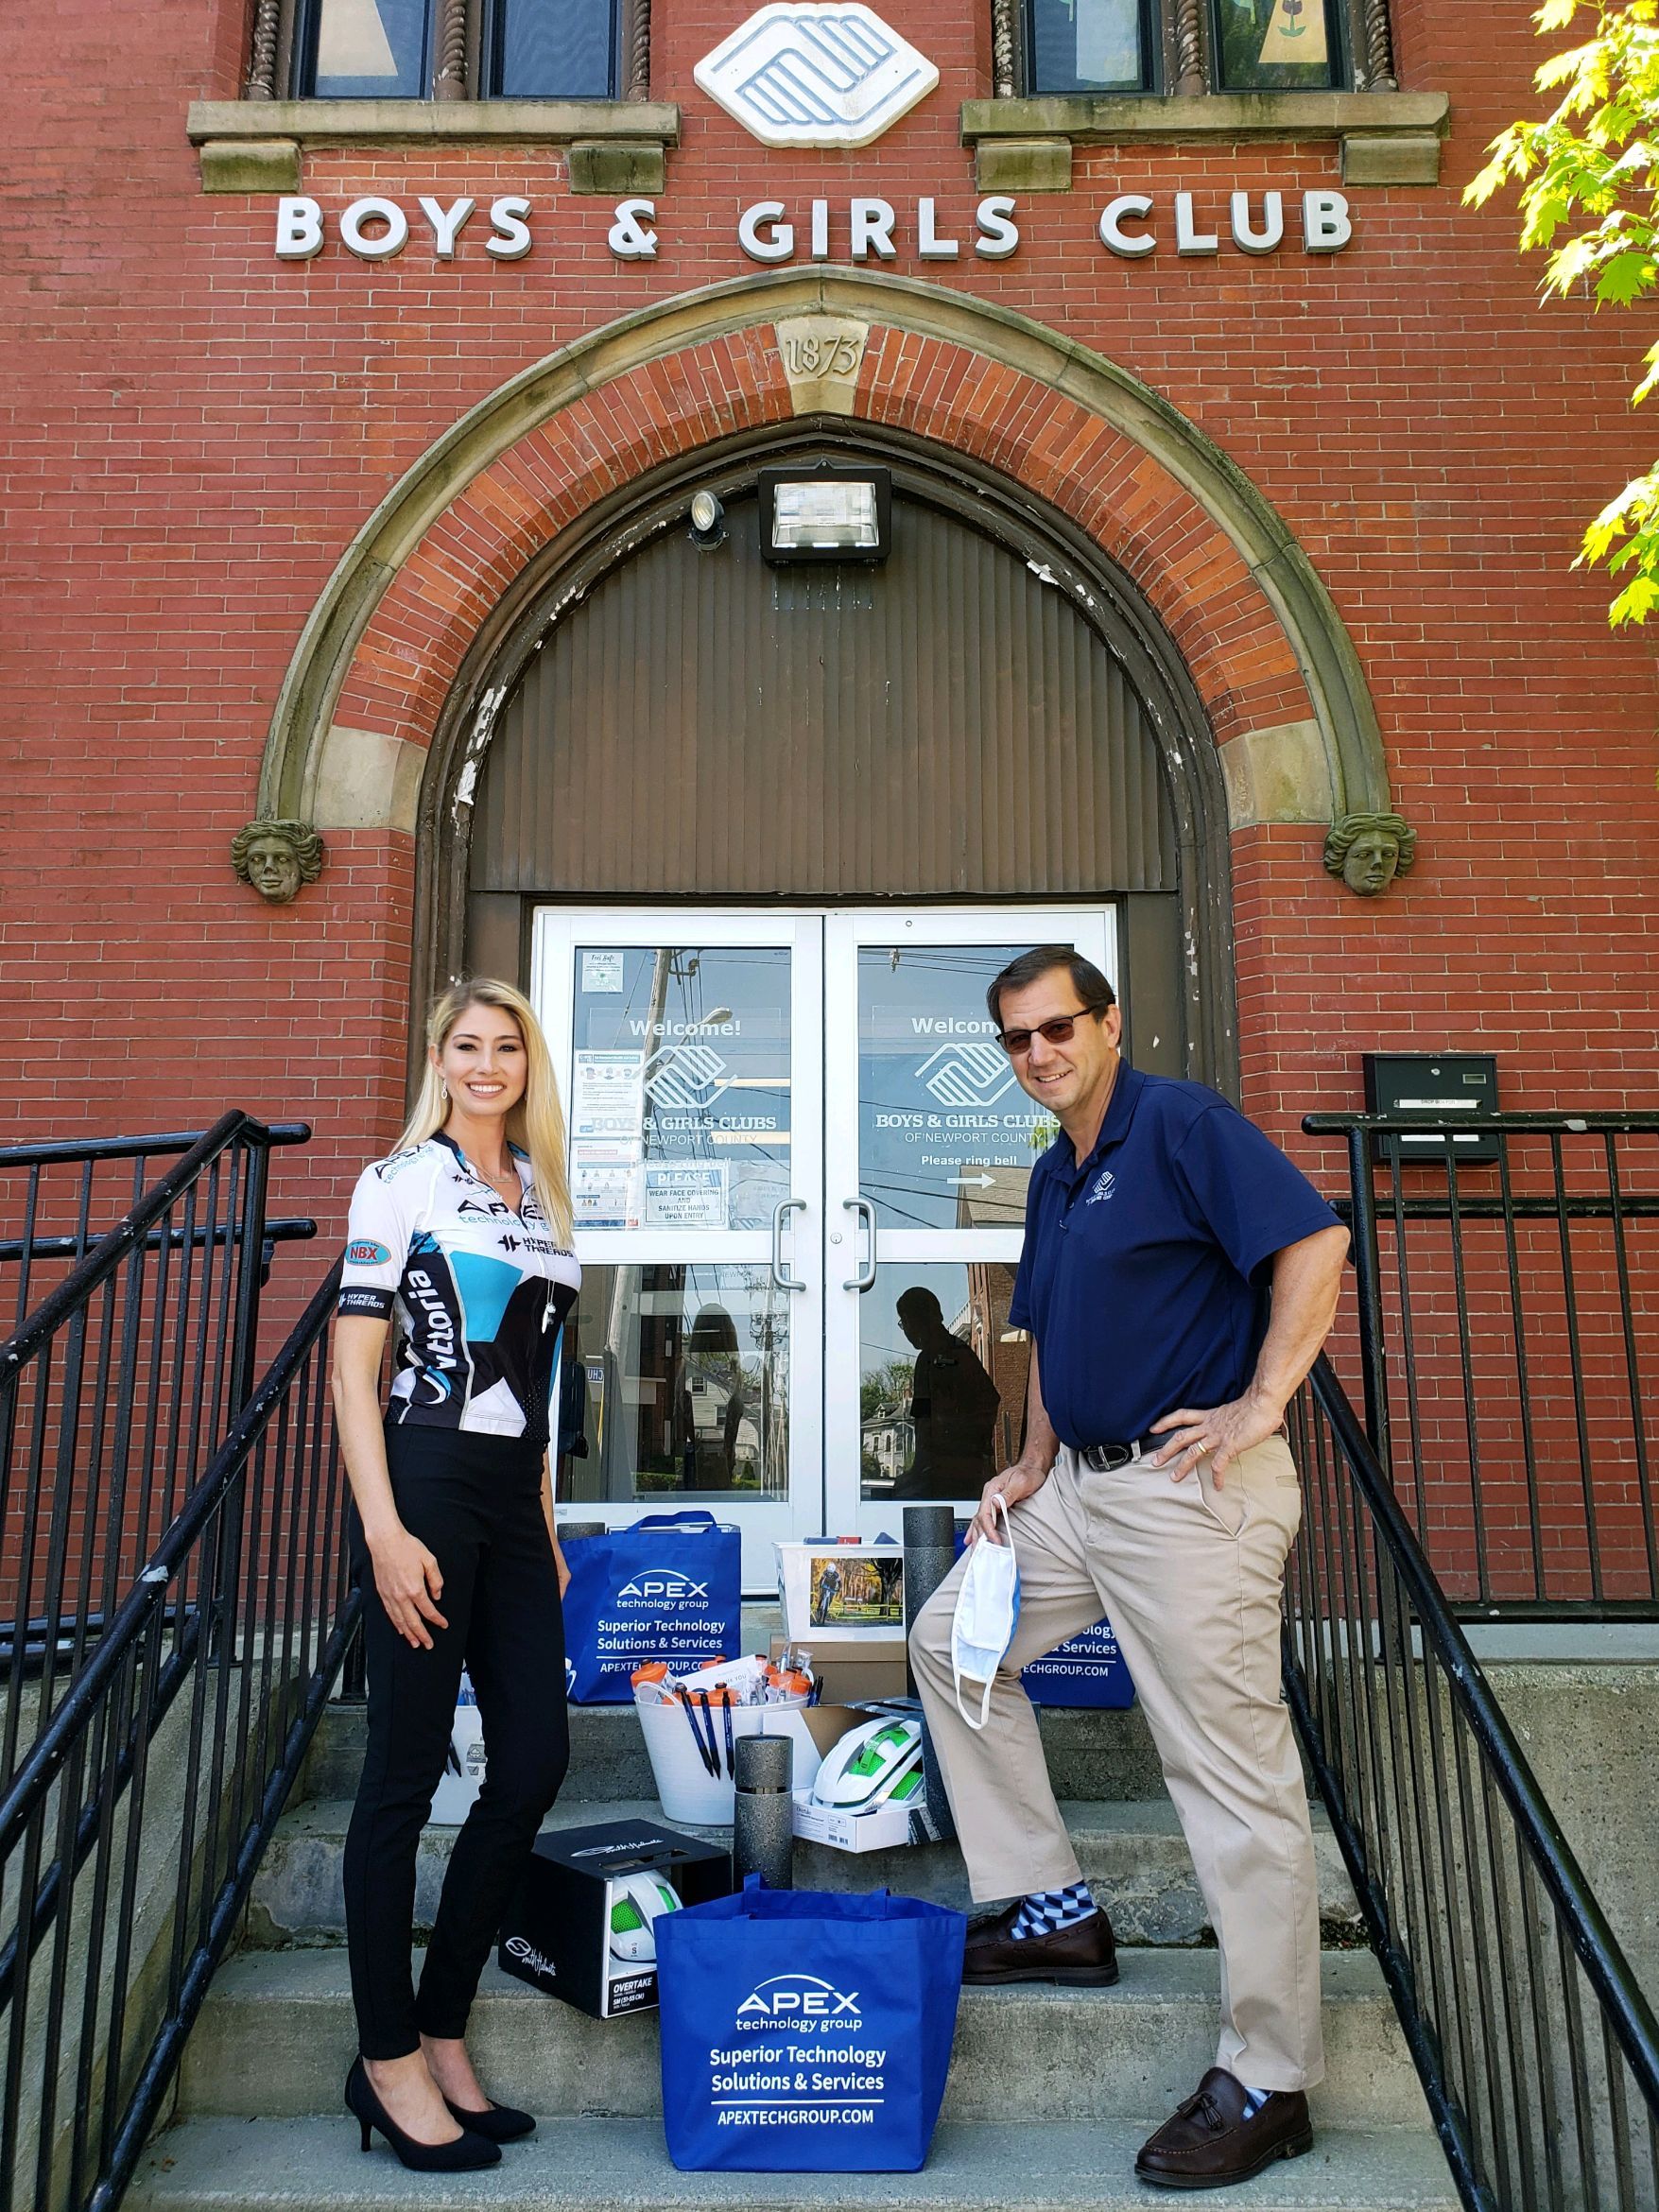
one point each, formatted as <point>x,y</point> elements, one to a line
<point>1103,1458</point>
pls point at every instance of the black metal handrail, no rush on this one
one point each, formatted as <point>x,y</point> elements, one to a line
<point>59,1190</point>
<point>1537,2051</point>
<point>118,1388</point>
<point>1509,1344</point>
<point>132,1831</point>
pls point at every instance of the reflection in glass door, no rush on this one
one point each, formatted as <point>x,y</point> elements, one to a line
<point>929,1148</point>
<point>799,1162</point>
<point>691,1072</point>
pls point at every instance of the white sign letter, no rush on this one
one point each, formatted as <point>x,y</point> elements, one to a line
<point>930,245</point>
<point>1326,226</point>
<point>374,211</point>
<point>779,241</point>
<point>298,230</point>
<point>1187,239</point>
<point>873,226</point>
<point>1113,233</point>
<point>821,230</point>
<point>511,240</point>
<point>999,233</point>
<point>632,236</point>
<point>447,223</point>
<point>1262,241</point>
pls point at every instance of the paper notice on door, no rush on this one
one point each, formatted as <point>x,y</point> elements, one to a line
<point>607,1095</point>
<point>601,971</point>
<point>687,1194</point>
<point>606,1183</point>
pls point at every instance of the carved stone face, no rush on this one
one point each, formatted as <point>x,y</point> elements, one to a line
<point>273,869</point>
<point>1372,861</point>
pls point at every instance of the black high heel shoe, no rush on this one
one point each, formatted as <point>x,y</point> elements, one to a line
<point>469,2150</point>
<point>501,2123</point>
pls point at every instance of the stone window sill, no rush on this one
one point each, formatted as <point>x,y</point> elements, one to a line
<point>258,145</point>
<point>1386,138</point>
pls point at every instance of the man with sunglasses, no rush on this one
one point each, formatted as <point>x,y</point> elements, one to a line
<point>1178,1279</point>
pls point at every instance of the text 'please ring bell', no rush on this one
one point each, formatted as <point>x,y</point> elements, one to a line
<point>763,1820</point>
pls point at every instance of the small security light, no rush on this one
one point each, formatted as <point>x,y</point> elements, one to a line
<point>826,514</point>
<point>708,519</point>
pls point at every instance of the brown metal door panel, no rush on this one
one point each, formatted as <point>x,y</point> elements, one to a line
<point>704,725</point>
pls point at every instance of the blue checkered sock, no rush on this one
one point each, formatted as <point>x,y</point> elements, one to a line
<point>1046,1911</point>
<point>1254,2100</point>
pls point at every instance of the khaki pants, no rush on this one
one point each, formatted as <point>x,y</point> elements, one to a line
<point>1191,1578</point>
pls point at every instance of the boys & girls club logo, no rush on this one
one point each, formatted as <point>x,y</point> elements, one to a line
<point>799,2001</point>
<point>800,74</point>
<point>365,1252</point>
<point>663,1587</point>
<point>966,1074</point>
<point>685,1077</point>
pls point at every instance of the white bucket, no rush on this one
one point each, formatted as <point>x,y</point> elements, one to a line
<point>687,1790</point>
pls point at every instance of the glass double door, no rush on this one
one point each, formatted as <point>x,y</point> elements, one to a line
<point>799,1159</point>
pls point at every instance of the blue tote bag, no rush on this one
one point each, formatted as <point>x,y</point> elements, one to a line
<point>671,1587</point>
<point>1087,1670</point>
<point>805,2032</point>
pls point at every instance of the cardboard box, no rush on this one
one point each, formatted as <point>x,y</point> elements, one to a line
<point>886,1829</point>
<point>857,1673</point>
<point>557,1932</point>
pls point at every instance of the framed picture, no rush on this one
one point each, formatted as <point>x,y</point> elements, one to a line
<point>841,1591</point>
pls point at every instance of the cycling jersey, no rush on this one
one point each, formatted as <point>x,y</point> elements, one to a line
<point>480,1292</point>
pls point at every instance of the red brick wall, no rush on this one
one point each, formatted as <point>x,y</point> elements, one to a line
<point>196,430</point>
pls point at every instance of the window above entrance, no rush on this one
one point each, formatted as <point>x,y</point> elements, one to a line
<point>458,49</point>
<point>1193,47</point>
<point>1129,46</point>
<point>574,73</point>
<point>1083,72</point>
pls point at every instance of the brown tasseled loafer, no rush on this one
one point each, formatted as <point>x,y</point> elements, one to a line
<point>1208,2143</point>
<point>1083,1956</point>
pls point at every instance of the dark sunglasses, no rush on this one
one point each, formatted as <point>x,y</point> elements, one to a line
<point>1017,1043</point>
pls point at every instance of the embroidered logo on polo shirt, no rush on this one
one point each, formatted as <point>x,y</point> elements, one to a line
<point>1105,1183</point>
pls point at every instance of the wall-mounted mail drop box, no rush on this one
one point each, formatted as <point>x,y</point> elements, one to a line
<point>1441,1089</point>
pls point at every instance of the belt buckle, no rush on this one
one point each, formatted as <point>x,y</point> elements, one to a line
<point>1107,1459</point>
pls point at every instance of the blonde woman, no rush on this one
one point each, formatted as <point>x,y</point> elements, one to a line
<point>465,1232</point>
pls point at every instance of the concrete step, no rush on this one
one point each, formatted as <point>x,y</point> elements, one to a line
<point>1099,1756</point>
<point>1133,1853</point>
<point>277,2034</point>
<point>620,2166</point>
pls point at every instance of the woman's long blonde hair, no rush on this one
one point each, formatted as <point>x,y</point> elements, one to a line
<point>536,1123</point>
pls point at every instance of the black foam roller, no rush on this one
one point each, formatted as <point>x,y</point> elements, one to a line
<point>930,1552</point>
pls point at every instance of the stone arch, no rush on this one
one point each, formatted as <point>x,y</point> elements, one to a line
<point>1274,664</point>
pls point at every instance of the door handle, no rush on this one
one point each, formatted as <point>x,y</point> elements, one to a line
<point>783,1280</point>
<point>866,1275</point>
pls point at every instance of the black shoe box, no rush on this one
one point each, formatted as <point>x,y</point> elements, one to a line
<point>557,1932</point>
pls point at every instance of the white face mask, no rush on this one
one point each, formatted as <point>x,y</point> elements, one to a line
<point>988,1606</point>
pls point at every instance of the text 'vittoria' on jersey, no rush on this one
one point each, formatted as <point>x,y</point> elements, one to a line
<point>480,1291</point>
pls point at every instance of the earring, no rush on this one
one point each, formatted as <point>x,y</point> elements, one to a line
<point>444,1090</point>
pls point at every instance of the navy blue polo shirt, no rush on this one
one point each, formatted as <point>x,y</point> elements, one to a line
<point>1145,1272</point>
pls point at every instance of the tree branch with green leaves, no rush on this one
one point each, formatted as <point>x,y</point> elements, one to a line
<point>1588,178</point>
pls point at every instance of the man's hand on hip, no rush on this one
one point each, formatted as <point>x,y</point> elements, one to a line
<point>1223,1433</point>
<point>1015,1484</point>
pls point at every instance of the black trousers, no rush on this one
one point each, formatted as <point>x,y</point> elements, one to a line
<point>476,1502</point>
